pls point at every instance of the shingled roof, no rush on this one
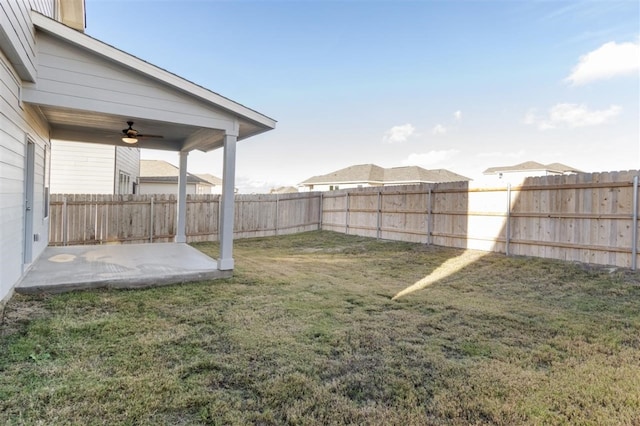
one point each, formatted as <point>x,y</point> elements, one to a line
<point>159,171</point>
<point>529,166</point>
<point>376,175</point>
<point>213,180</point>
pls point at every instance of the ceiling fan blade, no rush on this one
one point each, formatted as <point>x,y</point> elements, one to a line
<point>149,136</point>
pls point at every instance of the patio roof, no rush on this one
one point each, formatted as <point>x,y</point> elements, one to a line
<point>88,90</point>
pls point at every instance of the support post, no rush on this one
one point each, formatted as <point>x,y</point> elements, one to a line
<point>634,226</point>
<point>227,207</point>
<point>181,229</point>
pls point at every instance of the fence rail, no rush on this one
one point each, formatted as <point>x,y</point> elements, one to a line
<point>590,218</point>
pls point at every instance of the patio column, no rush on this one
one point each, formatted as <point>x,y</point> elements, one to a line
<point>227,207</point>
<point>181,229</point>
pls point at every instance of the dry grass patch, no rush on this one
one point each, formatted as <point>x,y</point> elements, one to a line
<point>306,333</point>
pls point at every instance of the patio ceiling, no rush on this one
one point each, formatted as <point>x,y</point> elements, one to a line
<point>87,126</point>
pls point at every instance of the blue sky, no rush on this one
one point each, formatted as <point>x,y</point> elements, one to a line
<point>461,85</point>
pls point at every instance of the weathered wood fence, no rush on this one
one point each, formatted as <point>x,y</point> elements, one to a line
<point>591,218</point>
<point>101,219</point>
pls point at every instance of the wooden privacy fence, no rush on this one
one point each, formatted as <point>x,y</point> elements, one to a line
<point>100,219</point>
<point>590,218</point>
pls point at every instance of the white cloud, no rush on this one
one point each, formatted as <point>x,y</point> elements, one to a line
<point>439,129</point>
<point>571,116</point>
<point>530,117</point>
<point>608,61</point>
<point>428,159</point>
<point>457,115</point>
<point>399,134</point>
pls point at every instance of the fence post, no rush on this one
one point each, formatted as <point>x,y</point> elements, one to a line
<point>65,219</point>
<point>508,227</point>
<point>430,217</point>
<point>151,214</point>
<point>277,212</point>
<point>379,224</point>
<point>346,214</point>
<point>321,202</point>
<point>634,229</point>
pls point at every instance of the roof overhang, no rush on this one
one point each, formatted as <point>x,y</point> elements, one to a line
<point>88,90</point>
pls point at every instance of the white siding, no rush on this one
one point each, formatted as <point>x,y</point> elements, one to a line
<point>82,168</point>
<point>16,123</point>
<point>46,7</point>
<point>76,78</point>
<point>17,37</point>
<point>128,161</point>
<point>165,188</point>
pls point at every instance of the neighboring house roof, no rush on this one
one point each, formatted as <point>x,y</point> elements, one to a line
<point>532,166</point>
<point>376,175</point>
<point>160,171</point>
<point>284,190</point>
<point>213,180</point>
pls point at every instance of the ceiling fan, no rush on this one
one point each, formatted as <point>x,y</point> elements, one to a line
<point>131,135</point>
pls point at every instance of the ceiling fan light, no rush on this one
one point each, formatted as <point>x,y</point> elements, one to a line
<point>129,140</point>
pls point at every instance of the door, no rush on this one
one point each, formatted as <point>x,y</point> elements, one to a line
<point>29,180</point>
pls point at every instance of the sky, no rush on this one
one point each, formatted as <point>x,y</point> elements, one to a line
<point>458,85</point>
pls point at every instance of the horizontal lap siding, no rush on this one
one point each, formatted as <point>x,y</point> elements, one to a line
<point>16,122</point>
<point>46,7</point>
<point>82,168</point>
<point>71,73</point>
<point>15,21</point>
<point>128,161</point>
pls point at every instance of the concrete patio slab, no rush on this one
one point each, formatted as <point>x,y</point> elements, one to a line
<point>61,269</point>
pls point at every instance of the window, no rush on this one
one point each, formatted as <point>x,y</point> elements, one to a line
<point>124,180</point>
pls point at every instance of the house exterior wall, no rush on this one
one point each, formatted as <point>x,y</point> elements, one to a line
<point>47,7</point>
<point>335,186</point>
<point>166,188</point>
<point>82,168</point>
<point>515,178</point>
<point>89,168</point>
<point>127,162</point>
<point>68,74</point>
<point>19,123</point>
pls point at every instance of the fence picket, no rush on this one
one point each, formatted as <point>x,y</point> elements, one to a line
<point>586,218</point>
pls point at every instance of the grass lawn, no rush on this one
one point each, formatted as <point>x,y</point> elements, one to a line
<point>307,333</point>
